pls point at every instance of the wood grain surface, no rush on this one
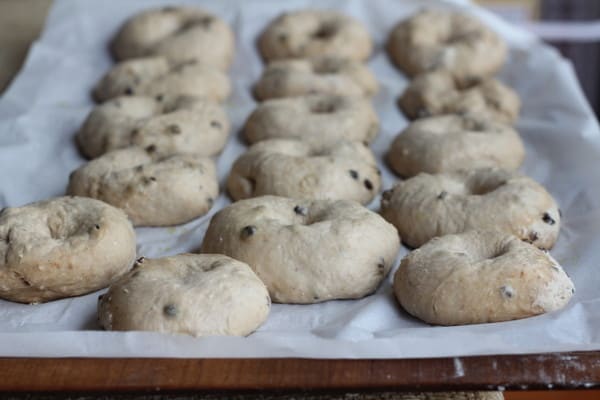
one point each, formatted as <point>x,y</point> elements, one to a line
<point>557,371</point>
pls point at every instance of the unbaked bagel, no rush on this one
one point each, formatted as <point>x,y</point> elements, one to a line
<point>306,251</point>
<point>436,39</point>
<point>157,77</point>
<point>480,276</point>
<point>194,294</point>
<point>151,191</point>
<point>437,93</point>
<point>310,33</point>
<point>320,120</point>
<point>162,125</point>
<point>322,75</point>
<point>453,142</point>
<point>177,33</point>
<point>291,168</point>
<point>63,247</point>
<point>426,206</point>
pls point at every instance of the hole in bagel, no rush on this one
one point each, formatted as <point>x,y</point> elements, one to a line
<point>325,31</point>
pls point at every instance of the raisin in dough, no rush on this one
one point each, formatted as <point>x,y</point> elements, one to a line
<point>291,168</point>
<point>452,142</point>
<point>480,276</point>
<point>322,75</point>
<point>178,34</point>
<point>436,39</point>
<point>306,251</point>
<point>426,206</point>
<point>194,294</point>
<point>310,33</point>
<point>161,125</point>
<point>158,77</point>
<point>437,93</point>
<point>151,191</point>
<point>320,120</point>
<point>62,247</point>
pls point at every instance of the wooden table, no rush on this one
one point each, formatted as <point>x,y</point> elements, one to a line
<point>20,22</point>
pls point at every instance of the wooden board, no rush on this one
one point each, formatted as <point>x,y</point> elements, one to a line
<point>559,371</point>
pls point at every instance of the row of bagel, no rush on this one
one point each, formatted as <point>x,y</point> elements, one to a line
<point>152,162</point>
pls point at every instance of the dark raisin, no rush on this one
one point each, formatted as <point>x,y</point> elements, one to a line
<point>300,210</point>
<point>97,226</point>
<point>140,260</point>
<point>533,236</point>
<point>316,298</point>
<point>353,174</point>
<point>128,91</point>
<point>151,148</point>
<point>174,129</point>
<point>368,184</point>
<point>216,124</point>
<point>170,310</point>
<point>248,231</point>
<point>507,291</point>
<point>159,97</point>
<point>135,132</point>
<point>442,195</point>
<point>100,297</point>
<point>153,179</point>
<point>548,219</point>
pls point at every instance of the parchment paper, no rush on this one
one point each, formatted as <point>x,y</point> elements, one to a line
<point>46,104</point>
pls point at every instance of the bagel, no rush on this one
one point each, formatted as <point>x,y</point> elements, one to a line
<point>310,33</point>
<point>177,33</point>
<point>322,75</point>
<point>436,39</point>
<point>161,125</point>
<point>306,251</point>
<point>152,192</point>
<point>426,206</point>
<point>437,93</point>
<point>194,294</point>
<point>156,76</point>
<point>480,276</point>
<point>453,142</point>
<point>320,120</point>
<point>291,168</point>
<point>63,247</point>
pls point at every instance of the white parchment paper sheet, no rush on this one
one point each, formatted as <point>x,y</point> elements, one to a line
<point>46,104</point>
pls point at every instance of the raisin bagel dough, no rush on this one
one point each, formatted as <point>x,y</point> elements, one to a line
<point>151,191</point>
<point>178,34</point>
<point>453,142</point>
<point>437,93</point>
<point>62,247</point>
<point>459,43</point>
<point>291,168</point>
<point>306,251</point>
<point>321,75</point>
<point>311,33</point>
<point>320,120</point>
<point>157,77</point>
<point>161,125</point>
<point>426,206</point>
<point>480,276</point>
<point>194,294</point>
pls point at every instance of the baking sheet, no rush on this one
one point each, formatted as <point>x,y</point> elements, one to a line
<point>45,105</point>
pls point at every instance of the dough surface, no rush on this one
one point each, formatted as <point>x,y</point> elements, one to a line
<point>152,192</point>
<point>435,39</point>
<point>453,142</point>
<point>437,93</point>
<point>426,206</point>
<point>480,276</point>
<point>320,120</point>
<point>193,294</point>
<point>320,75</point>
<point>178,34</point>
<point>310,33</point>
<point>291,168</point>
<point>161,125</point>
<point>159,77</point>
<point>306,251</point>
<point>62,247</point>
